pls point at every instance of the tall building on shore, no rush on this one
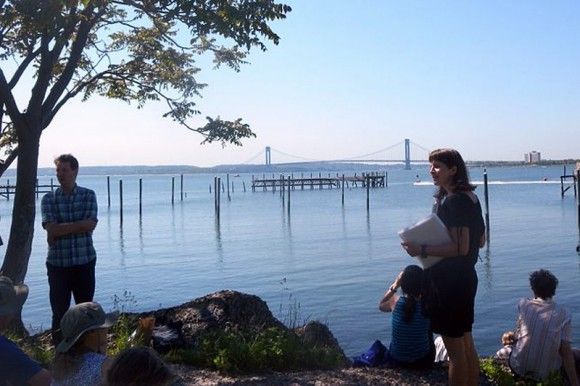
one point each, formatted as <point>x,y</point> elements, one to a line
<point>532,157</point>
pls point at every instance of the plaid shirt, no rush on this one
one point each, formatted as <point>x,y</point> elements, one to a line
<point>73,249</point>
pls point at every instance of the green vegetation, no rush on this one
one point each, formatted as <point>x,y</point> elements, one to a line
<point>271,349</point>
<point>501,375</point>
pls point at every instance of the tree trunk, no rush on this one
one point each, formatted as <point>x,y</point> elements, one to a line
<point>19,246</point>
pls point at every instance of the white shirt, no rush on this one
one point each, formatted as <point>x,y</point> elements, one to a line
<point>541,327</point>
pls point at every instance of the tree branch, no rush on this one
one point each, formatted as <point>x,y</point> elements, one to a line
<point>76,51</point>
<point>8,161</point>
<point>8,100</point>
<point>22,67</point>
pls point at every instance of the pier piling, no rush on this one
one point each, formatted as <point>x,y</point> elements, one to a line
<point>486,195</point>
<point>140,196</point>
<point>108,191</point>
<point>121,203</point>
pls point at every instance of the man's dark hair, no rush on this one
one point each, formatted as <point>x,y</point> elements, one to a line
<point>72,161</point>
<point>543,283</point>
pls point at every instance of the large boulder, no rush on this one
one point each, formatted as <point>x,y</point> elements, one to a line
<point>224,310</point>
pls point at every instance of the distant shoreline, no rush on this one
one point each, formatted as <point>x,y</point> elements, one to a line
<point>275,168</point>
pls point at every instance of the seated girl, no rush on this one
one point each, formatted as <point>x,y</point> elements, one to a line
<point>412,341</point>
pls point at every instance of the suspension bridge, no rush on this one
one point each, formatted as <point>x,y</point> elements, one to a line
<point>374,157</point>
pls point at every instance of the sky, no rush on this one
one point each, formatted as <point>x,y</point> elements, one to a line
<point>493,79</point>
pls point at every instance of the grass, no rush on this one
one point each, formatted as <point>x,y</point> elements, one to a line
<point>272,349</point>
<point>502,376</point>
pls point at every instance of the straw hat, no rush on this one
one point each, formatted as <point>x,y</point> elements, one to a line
<point>81,318</point>
<point>12,297</point>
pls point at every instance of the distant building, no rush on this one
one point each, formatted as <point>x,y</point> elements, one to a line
<point>532,157</point>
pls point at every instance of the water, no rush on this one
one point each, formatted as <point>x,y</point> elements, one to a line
<point>322,261</point>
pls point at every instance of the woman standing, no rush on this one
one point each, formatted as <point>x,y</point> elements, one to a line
<point>450,286</point>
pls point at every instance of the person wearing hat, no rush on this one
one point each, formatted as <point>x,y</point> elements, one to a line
<point>16,368</point>
<point>81,355</point>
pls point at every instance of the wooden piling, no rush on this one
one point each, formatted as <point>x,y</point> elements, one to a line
<point>368,194</point>
<point>228,183</point>
<point>7,190</point>
<point>342,190</point>
<point>51,185</point>
<point>121,203</point>
<point>140,196</point>
<point>386,178</point>
<point>219,193</point>
<point>289,188</point>
<point>578,202</point>
<point>181,187</point>
<point>108,191</point>
<point>486,195</point>
<point>244,185</point>
<point>172,190</point>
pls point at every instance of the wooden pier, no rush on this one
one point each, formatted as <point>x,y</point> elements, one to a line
<point>565,184</point>
<point>373,180</point>
<point>9,190</point>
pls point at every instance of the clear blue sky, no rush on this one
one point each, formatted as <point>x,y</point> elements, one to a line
<point>493,79</point>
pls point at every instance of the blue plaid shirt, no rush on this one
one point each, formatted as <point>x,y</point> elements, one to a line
<point>73,249</point>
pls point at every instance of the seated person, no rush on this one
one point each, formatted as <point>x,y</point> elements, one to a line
<point>139,366</point>
<point>508,339</point>
<point>412,340</point>
<point>16,368</point>
<point>81,355</point>
<point>543,333</point>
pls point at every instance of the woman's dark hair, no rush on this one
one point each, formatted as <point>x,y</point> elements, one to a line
<point>138,366</point>
<point>451,158</point>
<point>411,282</point>
<point>543,283</point>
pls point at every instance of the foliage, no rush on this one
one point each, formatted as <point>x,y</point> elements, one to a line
<point>501,375</point>
<point>134,51</point>
<point>271,349</point>
<point>121,332</point>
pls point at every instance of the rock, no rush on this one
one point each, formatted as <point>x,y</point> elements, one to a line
<point>318,334</point>
<point>224,310</point>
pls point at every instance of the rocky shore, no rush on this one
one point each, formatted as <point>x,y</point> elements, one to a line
<point>183,326</point>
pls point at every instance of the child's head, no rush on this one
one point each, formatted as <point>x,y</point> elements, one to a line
<point>138,366</point>
<point>543,283</point>
<point>508,338</point>
<point>411,280</point>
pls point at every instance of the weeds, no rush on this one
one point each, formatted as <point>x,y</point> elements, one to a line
<point>501,375</point>
<point>271,349</point>
<point>289,310</point>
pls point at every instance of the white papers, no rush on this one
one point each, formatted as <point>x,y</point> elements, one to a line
<point>428,231</point>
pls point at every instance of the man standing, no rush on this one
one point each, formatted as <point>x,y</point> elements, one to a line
<point>69,216</point>
<point>16,368</point>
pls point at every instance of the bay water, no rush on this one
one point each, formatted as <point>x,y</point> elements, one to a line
<point>320,261</point>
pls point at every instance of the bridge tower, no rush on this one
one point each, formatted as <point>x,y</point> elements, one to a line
<point>407,154</point>
<point>268,156</point>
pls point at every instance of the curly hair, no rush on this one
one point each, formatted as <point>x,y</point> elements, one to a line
<point>543,283</point>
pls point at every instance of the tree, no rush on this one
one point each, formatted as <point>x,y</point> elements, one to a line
<point>131,50</point>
